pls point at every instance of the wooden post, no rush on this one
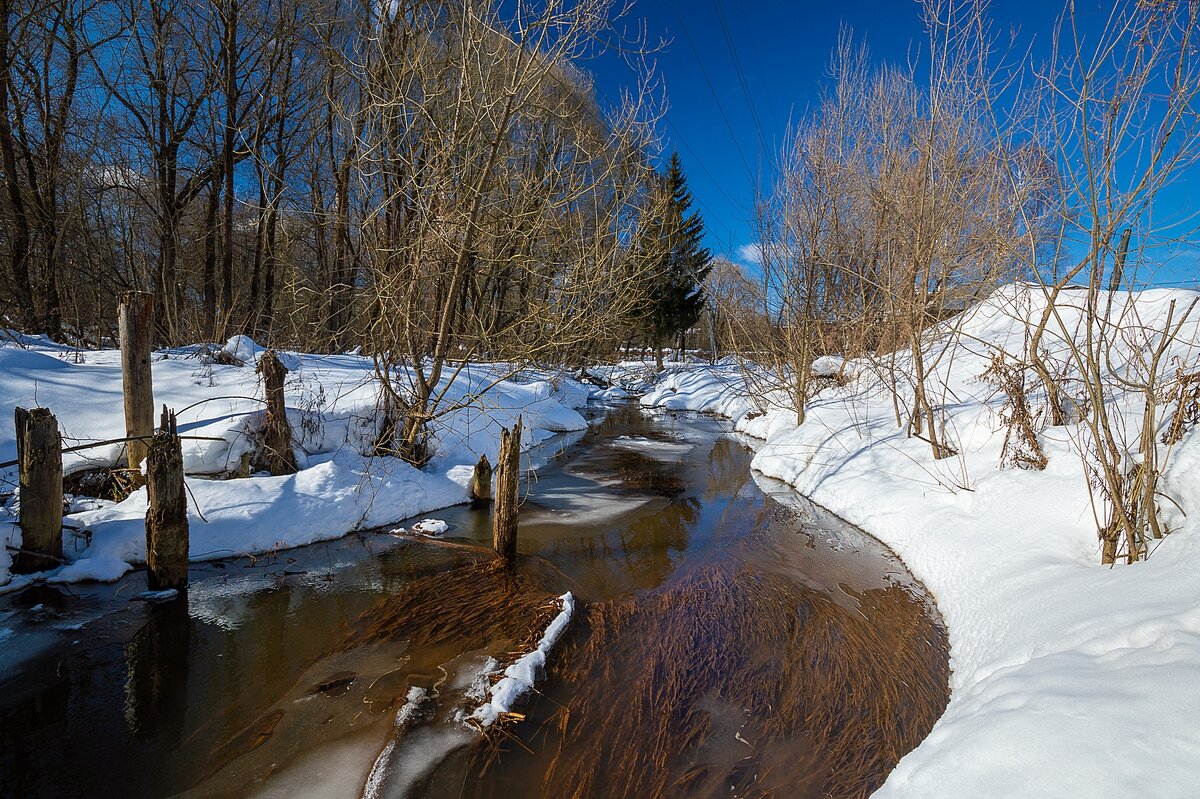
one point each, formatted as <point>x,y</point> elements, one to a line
<point>39,452</point>
<point>508,481</point>
<point>481,482</point>
<point>166,516</point>
<point>135,321</point>
<point>278,456</point>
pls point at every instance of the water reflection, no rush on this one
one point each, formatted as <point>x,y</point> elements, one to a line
<point>157,674</point>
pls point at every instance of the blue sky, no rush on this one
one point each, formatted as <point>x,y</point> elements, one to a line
<point>727,132</point>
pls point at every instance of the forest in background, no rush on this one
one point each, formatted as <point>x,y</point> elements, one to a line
<point>425,179</point>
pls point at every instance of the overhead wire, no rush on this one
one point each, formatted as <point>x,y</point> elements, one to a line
<point>704,72</point>
<point>711,216</point>
<point>740,72</point>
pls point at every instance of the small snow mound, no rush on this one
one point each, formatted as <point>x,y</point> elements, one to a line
<point>430,527</point>
<point>244,348</point>
<point>828,366</point>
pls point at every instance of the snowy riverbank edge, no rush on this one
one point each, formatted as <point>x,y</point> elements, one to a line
<point>332,408</point>
<point>1069,678</point>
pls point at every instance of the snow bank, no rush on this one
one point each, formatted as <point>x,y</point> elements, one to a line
<point>712,390</point>
<point>332,402</point>
<point>1069,679</point>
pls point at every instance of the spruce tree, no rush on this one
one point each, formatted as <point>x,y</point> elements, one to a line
<point>678,263</point>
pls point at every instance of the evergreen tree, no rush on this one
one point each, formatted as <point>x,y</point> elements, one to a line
<point>671,242</point>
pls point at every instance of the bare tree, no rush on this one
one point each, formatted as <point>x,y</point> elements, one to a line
<point>43,48</point>
<point>490,170</point>
<point>1122,113</point>
<point>160,73</point>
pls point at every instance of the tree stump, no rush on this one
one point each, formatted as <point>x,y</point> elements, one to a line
<point>39,453</point>
<point>166,515</point>
<point>278,457</point>
<point>481,482</point>
<point>508,481</point>
<point>135,320</point>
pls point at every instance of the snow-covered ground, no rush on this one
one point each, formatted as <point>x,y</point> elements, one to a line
<point>332,403</point>
<point>1069,678</point>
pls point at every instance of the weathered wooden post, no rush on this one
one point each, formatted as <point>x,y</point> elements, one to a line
<point>278,456</point>
<point>39,456</point>
<point>508,481</point>
<point>481,482</point>
<point>135,321</point>
<point>166,515</point>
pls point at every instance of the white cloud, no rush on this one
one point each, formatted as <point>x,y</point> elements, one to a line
<point>750,253</point>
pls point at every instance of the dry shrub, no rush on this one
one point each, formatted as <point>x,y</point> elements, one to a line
<point>1021,449</point>
<point>1185,394</point>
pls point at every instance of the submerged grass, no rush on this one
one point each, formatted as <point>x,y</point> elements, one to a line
<point>471,604</point>
<point>732,681</point>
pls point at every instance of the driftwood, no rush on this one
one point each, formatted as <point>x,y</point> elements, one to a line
<point>166,516</point>
<point>39,456</point>
<point>508,480</point>
<point>136,324</point>
<point>278,456</point>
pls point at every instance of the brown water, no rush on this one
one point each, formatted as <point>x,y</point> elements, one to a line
<point>732,641</point>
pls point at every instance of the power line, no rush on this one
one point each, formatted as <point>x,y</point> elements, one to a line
<point>711,88</point>
<point>714,217</point>
<point>741,75</point>
<point>772,106</point>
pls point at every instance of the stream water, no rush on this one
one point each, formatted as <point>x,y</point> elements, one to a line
<point>732,640</point>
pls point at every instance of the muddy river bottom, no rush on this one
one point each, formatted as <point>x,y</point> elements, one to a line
<point>729,640</point>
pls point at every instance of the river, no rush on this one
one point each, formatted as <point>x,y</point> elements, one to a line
<point>731,640</point>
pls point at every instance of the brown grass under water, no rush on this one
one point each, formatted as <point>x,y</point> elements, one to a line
<point>473,604</point>
<point>732,681</point>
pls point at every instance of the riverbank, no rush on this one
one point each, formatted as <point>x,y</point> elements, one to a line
<point>333,409</point>
<point>1069,678</point>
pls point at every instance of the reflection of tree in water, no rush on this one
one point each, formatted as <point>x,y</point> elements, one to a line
<point>658,539</point>
<point>85,722</point>
<point>640,554</point>
<point>728,469</point>
<point>646,551</point>
<point>643,474</point>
